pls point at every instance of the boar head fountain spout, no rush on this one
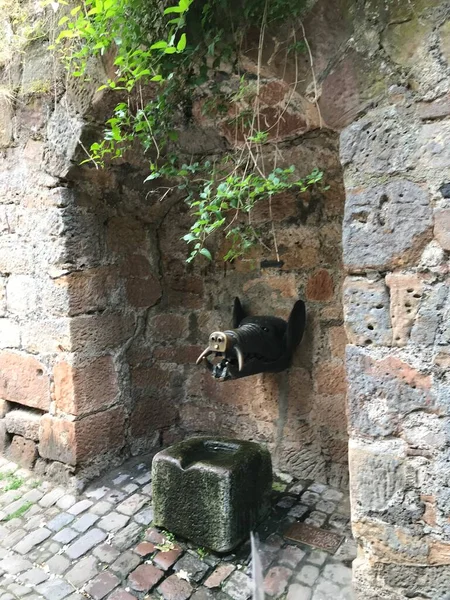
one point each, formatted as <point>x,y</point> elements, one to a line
<point>255,344</point>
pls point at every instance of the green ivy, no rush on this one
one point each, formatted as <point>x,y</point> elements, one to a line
<point>173,49</point>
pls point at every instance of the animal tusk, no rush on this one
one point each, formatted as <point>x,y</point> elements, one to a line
<point>240,357</point>
<point>203,355</point>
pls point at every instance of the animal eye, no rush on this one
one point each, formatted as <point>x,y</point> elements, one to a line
<point>265,329</point>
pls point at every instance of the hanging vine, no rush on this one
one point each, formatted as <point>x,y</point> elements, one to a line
<point>176,48</point>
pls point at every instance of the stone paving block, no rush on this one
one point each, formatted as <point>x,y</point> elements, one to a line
<point>144,516</point>
<point>333,495</point>
<point>101,508</point>
<point>298,511</point>
<point>34,576</point>
<point>80,507</point>
<point>338,573</point>
<point>145,478</point>
<point>325,590</point>
<point>128,536</point>
<point>164,560</point>
<point>286,502</point>
<point>326,506</point>
<point>132,504</point>
<point>60,521</point>
<point>12,539</point>
<point>18,590</point>
<point>121,478</point>
<point>299,592</point>
<point>196,568</point>
<point>238,586</point>
<point>129,488</point>
<point>147,489</point>
<point>115,496</point>
<point>202,593</point>
<point>106,553</point>
<point>32,495</point>
<point>175,588</point>
<point>145,577</point>
<point>316,518</point>
<point>276,580</point>
<point>308,574</point>
<point>145,549</point>
<point>96,492</point>
<point>125,563</point>
<point>54,589</point>
<point>219,575</point>
<point>113,521</point>
<point>85,543</point>
<point>121,595</point>
<point>66,502</point>
<point>51,498</point>
<point>310,498</point>
<point>65,536</point>
<point>318,488</point>
<point>291,556</point>
<point>58,564</point>
<point>14,565</point>
<point>83,523</point>
<point>83,571</point>
<point>102,585</point>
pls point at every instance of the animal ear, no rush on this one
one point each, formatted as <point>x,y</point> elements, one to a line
<point>295,326</point>
<point>238,313</point>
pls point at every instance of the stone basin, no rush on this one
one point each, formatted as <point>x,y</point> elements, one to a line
<point>212,491</point>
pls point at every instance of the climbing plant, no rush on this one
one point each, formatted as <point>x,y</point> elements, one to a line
<point>176,48</point>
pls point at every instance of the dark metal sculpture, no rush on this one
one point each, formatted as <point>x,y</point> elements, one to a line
<point>255,345</point>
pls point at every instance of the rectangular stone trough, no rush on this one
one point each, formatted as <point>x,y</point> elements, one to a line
<point>212,491</point>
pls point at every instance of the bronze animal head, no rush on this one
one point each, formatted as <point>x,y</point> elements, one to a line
<point>255,344</point>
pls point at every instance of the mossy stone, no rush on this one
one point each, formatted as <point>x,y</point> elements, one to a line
<point>212,491</point>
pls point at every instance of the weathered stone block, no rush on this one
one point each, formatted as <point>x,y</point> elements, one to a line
<point>21,294</point>
<point>90,290</point>
<point>97,333</point>
<point>24,423</point>
<point>442,227</point>
<point>430,314</point>
<point>404,41</point>
<point>320,286</point>
<point>23,380</point>
<point>9,334</point>
<point>6,120</point>
<point>377,475</point>
<point>76,442</point>
<point>383,142</point>
<point>63,134</point>
<point>382,391</point>
<point>2,296</point>
<point>22,451</point>
<point>385,226</point>
<point>212,491</point>
<point>47,336</point>
<point>406,292</point>
<point>433,151</point>
<point>366,310</point>
<point>86,388</point>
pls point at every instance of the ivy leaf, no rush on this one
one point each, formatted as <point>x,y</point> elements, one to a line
<point>182,43</point>
<point>63,20</point>
<point>206,253</point>
<point>74,11</point>
<point>159,45</point>
<point>156,78</point>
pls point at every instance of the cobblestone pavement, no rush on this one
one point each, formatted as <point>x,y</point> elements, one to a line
<point>101,544</point>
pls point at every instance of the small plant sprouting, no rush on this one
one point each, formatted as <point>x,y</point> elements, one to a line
<point>168,543</point>
<point>19,512</point>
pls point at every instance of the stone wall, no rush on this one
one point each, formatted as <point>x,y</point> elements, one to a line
<point>97,357</point>
<point>102,318</point>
